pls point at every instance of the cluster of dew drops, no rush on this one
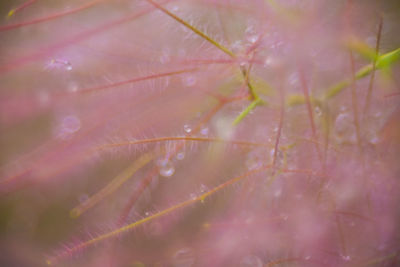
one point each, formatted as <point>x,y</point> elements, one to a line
<point>166,165</point>
<point>185,257</point>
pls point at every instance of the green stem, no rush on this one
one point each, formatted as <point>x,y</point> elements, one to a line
<point>245,112</point>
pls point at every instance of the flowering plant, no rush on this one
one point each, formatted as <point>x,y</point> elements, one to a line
<point>199,133</point>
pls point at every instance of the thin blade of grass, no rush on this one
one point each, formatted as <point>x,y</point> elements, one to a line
<point>247,110</point>
<point>134,80</point>
<point>162,213</point>
<point>354,103</point>
<point>48,18</point>
<point>46,51</point>
<point>192,28</point>
<point>115,183</point>
<point>183,138</point>
<point>24,5</point>
<point>372,78</point>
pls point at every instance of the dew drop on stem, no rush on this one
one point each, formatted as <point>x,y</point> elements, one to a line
<point>68,66</point>
<point>204,131</point>
<point>167,171</point>
<point>278,193</point>
<point>72,87</point>
<point>68,126</point>
<point>256,159</point>
<point>346,257</point>
<point>203,188</point>
<point>187,128</point>
<point>189,80</point>
<point>237,47</point>
<point>175,9</point>
<point>244,63</point>
<point>180,155</point>
<point>83,198</point>
<point>344,128</point>
<point>279,157</point>
<point>71,124</point>
<point>318,111</point>
<point>251,35</point>
<point>253,163</point>
<point>59,64</point>
<point>165,57</point>
<point>166,168</point>
<point>268,61</point>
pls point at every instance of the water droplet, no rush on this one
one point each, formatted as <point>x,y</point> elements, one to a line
<point>279,157</point>
<point>318,111</point>
<point>203,188</point>
<point>187,128</point>
<point>193,196</point>
<point>308,257</point>
<point>251,261</point>
<point>71,124</point>
<point>256,158</point>
<point>251,34</point>
<point>147,213</point>
<point>278,193</point>
<point>175,9</point>
<point>253,38</point>
<point>83,198</point>
<point>165,56</point>
<point>253,163</point>
<point>204,131</point>
<point>189,80</point>
<point>59,64</point>
<point>268,61</point>
<point>284,216</point>
<point>237,47</point>
<point>167,169</point>
<point>244,63</point>
<point>68,66</point>
<point>68,126</point>
<point>346,257</point>
<point>72,87</point>
<point>184,258</point>
<point>373,138</point>
<point>180,155</point>
<point>344,128</point>
<point>293,78</point>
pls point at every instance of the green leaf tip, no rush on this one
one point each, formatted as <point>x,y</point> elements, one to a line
<point>246,111</point>
<point>383,62</point>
